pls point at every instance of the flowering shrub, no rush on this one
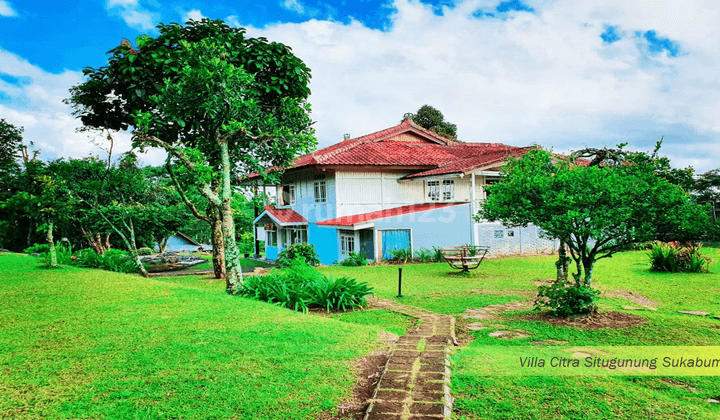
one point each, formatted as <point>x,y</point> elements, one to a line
<point>675,258</point>
<point>567,299</point>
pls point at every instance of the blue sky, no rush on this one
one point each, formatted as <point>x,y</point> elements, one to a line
<point>559,73</point>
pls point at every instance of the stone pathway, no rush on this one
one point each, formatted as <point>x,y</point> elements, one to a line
<point>416,380</point>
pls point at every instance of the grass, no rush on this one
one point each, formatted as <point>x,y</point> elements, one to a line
<point>481,396</point>
<point>79,343</point>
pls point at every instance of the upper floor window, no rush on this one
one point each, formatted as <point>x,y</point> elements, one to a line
<point>320,192</point>
<point>438,190</point>
<point>287,195</point>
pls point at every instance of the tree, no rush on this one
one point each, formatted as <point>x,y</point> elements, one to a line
<point>114,95</point>
<point>432,119</point>
<point>595,211</point>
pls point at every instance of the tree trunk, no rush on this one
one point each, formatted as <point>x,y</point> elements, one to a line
<point>51,244</point>
<point>588,264</point>
<point>562,264</point>
<point>233,270</point>
<point>218,243</point>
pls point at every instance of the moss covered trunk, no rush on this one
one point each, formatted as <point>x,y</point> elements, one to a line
<point>51,245</point>
<point>218,244</point>
<point>233,270</point>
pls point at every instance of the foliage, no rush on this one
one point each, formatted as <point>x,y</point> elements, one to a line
<point>305,251</point>
<point>566,299</point>
<point>10,142</point>
<point>432,119</point>
<point>37,249</point>
<point>424,255</point>
<point>111,260</point>
<point>676,258</point>
<point>595,210</point>
<point>402,255</point>
<point>247,244</point>
<point>63,255</point>
<point>355,259</point>
<point>301,287</point>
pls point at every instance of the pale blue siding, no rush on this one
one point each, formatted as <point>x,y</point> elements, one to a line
<point>447,226</point>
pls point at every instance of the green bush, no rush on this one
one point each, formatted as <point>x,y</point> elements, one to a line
<point>354,259</point>
<point>63,254</point>
<point>145,251</point>
<point>438,255</point>
<point>247,246</point>
<point>675,258</point>
<point>401,255</point>
<point>567,299</point>
<point>37,249</point>
<point>304,251</point>
<point>112,260</point>
<point>301,287</point>
<point>424,255</point>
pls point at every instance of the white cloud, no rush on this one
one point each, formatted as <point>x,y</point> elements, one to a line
<point>35,103</point>
<point>6,9</point>
<point>544,78</point>
<point>193,15</point>
<point>132,13</point>
<point>294,5</point>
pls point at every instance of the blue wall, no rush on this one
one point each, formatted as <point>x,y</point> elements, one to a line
<point>326,241</point>
<point>447,226</point>
<point>271,252</point>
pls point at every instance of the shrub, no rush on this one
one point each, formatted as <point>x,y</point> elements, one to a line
<point>424,255</point>
<point>63,253</point>
<point>246,246</point>
<point>567,299</point>
<point>438,255</point>
<point>401,255</point>
<point>112,260</point>
<point>354,259</point>
<point>301,287</point>
<point>37,249</point>
<point>675,258</point>
<point>145,251</point>
<point>305,251</point>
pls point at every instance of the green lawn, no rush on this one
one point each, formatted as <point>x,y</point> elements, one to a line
<point>480,395</point>
<point>79,343</point>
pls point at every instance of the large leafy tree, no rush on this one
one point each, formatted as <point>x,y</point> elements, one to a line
<point>432,119</point>
<point>271,130</point>
<point>595,210</point>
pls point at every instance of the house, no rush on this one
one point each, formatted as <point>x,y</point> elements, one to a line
<point>403,187</point>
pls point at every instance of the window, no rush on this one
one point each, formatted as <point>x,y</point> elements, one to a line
<point>448,189</point>
<point>488,182</point>
<point>271,238</point>
<point>287,195</point>
<point>435,188</point>
<point>292,236</point>
<point>511,233</point>
<point>347,242</point>
<point>498,234</point>
<point>320,192</point>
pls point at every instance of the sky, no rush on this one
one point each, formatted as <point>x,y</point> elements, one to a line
<point>562,74</point>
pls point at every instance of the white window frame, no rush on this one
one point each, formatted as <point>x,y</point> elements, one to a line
<point>290,190</point>
<point>271,236</point>
<point>433,188</point>
<point>320,191</point>
<point>347,242</point>
<point>448,190</point>
<point>294,235</point>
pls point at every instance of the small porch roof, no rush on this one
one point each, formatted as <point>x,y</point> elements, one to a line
<point>365,220</point>
<point>281,217</point>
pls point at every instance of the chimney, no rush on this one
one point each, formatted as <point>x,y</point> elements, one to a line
<point>346,136</point>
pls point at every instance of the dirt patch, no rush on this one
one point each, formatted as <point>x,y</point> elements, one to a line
<point>612,320</point>
<point>368,370</point>
<point>631,296</point>
<point>462,336</point>
<point>522,293</point>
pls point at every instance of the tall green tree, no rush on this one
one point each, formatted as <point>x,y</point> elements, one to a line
<point>595,210</point>
<point>115,94</point>
<point>432,119</point>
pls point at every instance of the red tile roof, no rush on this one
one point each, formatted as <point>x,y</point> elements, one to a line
<point>419,149</point>
<point>285,216</point>
<point>380,214</point>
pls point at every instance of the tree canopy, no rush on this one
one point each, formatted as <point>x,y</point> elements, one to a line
<point>432,119</point>
<point>595,210</point>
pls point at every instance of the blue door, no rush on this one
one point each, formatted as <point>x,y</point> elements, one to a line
<point>393,240</point>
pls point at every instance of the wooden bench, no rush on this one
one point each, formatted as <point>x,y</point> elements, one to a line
<point>464,257</point>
